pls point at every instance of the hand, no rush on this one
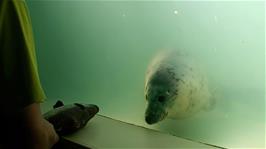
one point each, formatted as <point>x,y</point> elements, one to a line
<point>46,136</point>
<point>42,133</point>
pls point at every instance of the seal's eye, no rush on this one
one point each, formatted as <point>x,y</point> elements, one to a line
<point>161,98</point>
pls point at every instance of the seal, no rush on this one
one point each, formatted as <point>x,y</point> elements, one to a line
<point>175,88</point>
<point>67,119</point>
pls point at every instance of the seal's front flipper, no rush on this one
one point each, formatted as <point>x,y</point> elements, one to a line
<point>213,100</point>
<point>211,105</point>
<point>59,103</point>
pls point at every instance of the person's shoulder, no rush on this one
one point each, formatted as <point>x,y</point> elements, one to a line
<point>12,2</point>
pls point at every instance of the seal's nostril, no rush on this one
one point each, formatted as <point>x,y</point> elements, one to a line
<point>148,120</point>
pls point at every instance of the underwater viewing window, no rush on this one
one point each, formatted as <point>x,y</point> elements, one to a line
<point>100,51</point>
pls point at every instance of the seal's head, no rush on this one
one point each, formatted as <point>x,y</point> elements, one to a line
<point>160,93</point>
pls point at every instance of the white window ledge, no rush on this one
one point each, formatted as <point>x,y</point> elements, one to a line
<point>102,132</point>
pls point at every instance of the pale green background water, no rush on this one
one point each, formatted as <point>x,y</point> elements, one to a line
<point>98,52</point>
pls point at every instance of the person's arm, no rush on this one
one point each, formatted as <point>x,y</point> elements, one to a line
<point>41,133</point>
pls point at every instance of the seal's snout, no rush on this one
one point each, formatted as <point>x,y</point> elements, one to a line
<point>150,120</point>
<point>155,117</point>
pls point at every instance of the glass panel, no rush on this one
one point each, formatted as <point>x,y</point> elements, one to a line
<point>98,52</point>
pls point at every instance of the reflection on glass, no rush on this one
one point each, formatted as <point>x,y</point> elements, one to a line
<point>99,52</point>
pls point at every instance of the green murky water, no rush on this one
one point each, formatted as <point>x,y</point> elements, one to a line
<point>98,52</point>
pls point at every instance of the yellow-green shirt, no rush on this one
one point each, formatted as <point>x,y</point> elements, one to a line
<point>19,80</point>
